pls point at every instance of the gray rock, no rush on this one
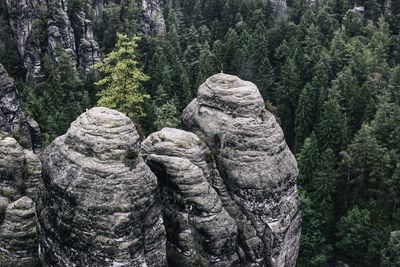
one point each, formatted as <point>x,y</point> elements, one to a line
<point>12,119</point>
<point>200,232</point>
<point>20,170</point>
<point>59,30</point>
<point>257,167</point>
<point>22,15</point>
<point>99,203</point>
<point>89,51</point>
<point>152,18</point>
<point>26,20</point>
<point>18,240</point>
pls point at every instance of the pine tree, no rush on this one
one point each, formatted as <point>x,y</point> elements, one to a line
<point>166,116</point>
<point>324,182</point>
<point>206,66</point>
<point>331,131</point>
<point>352,98</point>
<point>365,163</point>
<point>308,161</point>
<point>353,234</point>
<point>305,113</point>
<point>288,95</point>
<point>121,82</point>
<point>265,80</point>
<point>231,47</point>
<point>315,249</point>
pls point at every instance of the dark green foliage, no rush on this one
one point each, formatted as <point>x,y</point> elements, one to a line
<point>353,234</point>
<point>59,99</point>
<point>391,253</point>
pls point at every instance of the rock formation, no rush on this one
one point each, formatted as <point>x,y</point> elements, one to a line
<point>12,119</point>
<point>200,232</point>
<point>41,27</point>
<point>18,241</point>
<point>98,202</point>
<point>257,167</point>
<point>29,18</point>
<point>152,18</point>
<point>88,48</point>
<point>20,171</point>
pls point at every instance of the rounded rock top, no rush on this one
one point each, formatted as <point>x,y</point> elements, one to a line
<point>103,133</point>
<point>103,118</point>
<point>231,94</point>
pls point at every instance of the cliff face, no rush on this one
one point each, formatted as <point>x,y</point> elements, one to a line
<point>12,119</point>
<point>40,27</point>
<point>256,165</point>
<point>111,210</point>
<point>29,18</point>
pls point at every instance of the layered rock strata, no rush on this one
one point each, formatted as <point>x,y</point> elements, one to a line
<point>20,172</point>
<point>18,240</point>
<point>200,232</point>
<point>257,167</point>
<point>98,203</point>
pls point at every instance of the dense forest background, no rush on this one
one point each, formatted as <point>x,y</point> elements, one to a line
<point>327,69</point>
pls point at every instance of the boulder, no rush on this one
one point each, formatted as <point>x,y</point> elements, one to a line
<point>98,202</point>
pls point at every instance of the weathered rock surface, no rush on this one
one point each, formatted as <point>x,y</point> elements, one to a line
<point>200,232</point>
<point>257,167</point>
<point>22,15</point>
<point>12,119</point>
<point>88,48</point>
<point>29,18</point>
<point>18,240</point>
<point>20,171</point>
<point>98,203</point>
<point>152,18</point>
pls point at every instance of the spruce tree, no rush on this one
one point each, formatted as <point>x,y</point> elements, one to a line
<point>121,79</point>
